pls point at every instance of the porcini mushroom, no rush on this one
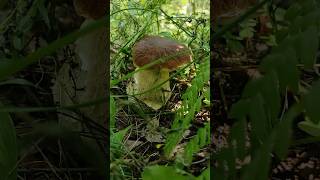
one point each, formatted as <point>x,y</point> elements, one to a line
<point>166,55</point>
<point>227,9</point>
<point>91,9</point>
<point>87,82</point>
<point>92,51</point>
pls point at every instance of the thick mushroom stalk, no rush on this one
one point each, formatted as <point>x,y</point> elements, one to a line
<point>148,87</point>
<point>92,52</point>
<point>152,85</point>
<point>87,82</point>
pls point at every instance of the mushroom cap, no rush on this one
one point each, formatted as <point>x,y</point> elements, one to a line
<point>93,9</point>
<point>227,8</point>
<point>152,48</point>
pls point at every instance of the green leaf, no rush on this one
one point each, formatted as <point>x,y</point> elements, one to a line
<point>163,172</point>
<point>258,118</point>
<point>239,110</point>
<point>297,26</point>
<point>9,67</point>
<point>284,132</point>
<point>190,105</point>
<point>8,148</point>
<point>307,46</point>
<point>234,45</point>
<point>112,113</point>
<point>205,175</point>
<point>311,19</point>
<point>44,13</point>
<point>308,6</point>
<point>226,164</point>
<point>259,166</point>
<point>166,34</point>
<point>269,88</point>
<point>17,42</point>
<point>310,128</point>
<point>201,139</point>
<point>238,137</point>
<point>311,103</point>
<point>117,138</point>
<point>25,24</point>
<point>116,143</point>
<point>17,81</point>
<point>246,33</point>
<point>284,64</point>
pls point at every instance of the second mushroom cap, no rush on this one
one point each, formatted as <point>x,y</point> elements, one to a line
<point>151,48</point>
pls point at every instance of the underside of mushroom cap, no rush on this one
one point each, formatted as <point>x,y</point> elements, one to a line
<point>152,48</point>
<point>93,9</point>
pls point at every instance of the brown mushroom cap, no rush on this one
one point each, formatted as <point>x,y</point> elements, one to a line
<point>152,48</point>
<point>223,8</point>
<point>94,9</point>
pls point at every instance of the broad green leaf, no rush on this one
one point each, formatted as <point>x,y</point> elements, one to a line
<point>246,33</point>
<point>238,137</point>
<point>310,128</point>
<point>311,19</point>
<point>25,24</point>
<point>308,6</point>
<point>201,139</point>
<point>8,148</point>
<point>307,46</point>
<point>163,172</point>
<point>22,82</point>
<point>9,67</point>
<point>269,88</point>
<point>234,45</point>
<point>292,12</point>
<point>297,26</point>
<point>271,93</point>
<point>284,132</point>
<point>117,138</point>
<point>311,103</point>
<point>116,143</point>
<point>190,105</point>
<point>260,164</point>
<point>218,173</point>
<point>284,64</point>
<point>259,121</point>
<point>240,109</point>
<point>166,34</point>
<point>205,175</point>
<point>226,164</point>
<point>44,13</point>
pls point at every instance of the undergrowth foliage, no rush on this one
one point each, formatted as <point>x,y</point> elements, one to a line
<point>191,104</point>
<point>260,108</point>
<point>183,21</point>
<point>8,148</point>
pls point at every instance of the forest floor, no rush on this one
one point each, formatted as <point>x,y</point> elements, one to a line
<point>232,71</point>
<point>47,159</point>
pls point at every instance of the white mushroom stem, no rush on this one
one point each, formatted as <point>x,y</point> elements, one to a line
<point>87,82</point>
<point>92,52</point>
<point>147,88</point>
